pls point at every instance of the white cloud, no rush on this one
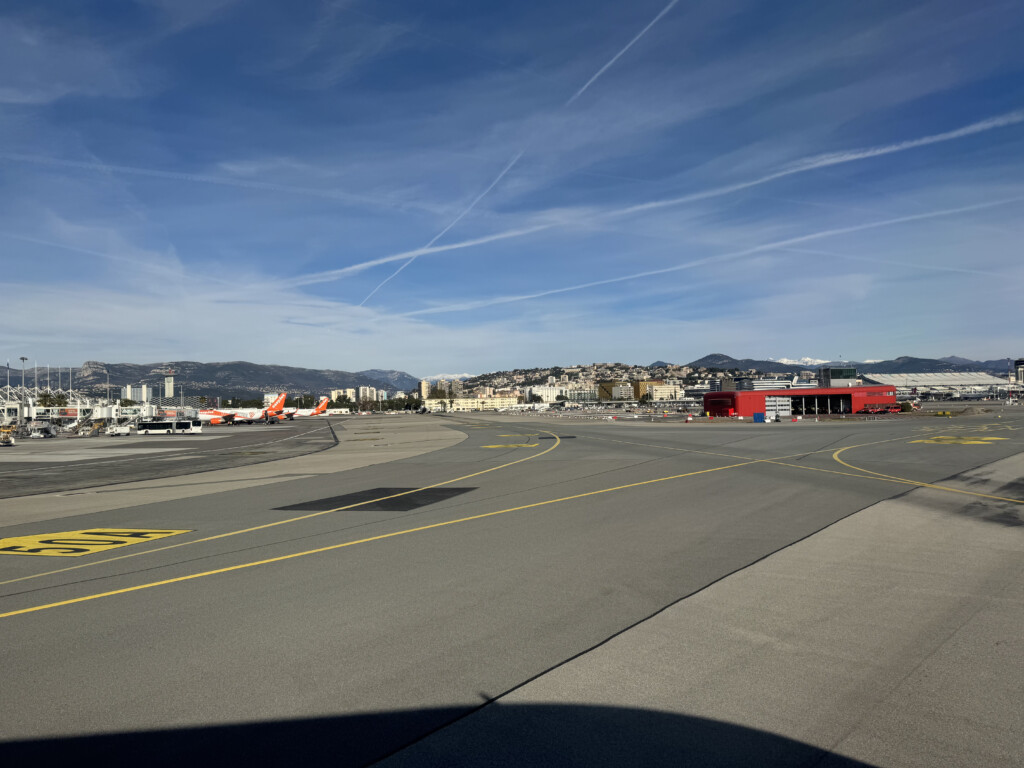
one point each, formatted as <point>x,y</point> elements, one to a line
<point>38,66</point>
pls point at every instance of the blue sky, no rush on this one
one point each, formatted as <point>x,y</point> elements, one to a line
<point>471,186</point>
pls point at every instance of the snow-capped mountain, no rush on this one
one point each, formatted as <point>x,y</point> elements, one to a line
<point>806,361</point>
<point>448,376</point>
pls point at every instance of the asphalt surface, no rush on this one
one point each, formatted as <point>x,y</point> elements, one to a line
<point>71,463</point>
<point>341,617</point>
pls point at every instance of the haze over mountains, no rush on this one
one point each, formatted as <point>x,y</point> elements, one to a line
<point>899,365</point>
<point>240,377</point>
<point>222,379</point>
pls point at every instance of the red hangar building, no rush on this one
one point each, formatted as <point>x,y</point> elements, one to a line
<point>797,402</point>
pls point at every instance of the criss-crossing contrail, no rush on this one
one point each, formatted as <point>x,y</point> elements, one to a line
<point>801,166</point>
<point>773,246</point>
<point>519,154</point>
<point>335,274</point>
<point>616,57</point>
<point>454,221</point>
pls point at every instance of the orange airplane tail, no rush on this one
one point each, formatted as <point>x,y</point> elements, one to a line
<point>321,406</point>
<point>278,403</point>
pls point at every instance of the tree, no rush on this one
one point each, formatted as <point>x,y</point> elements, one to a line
<point>561,398</point>
<point>535,398</point>
<point>451,403</point>
<point>127,402</point>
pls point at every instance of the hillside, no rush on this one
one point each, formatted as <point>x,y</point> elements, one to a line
<point>231,378</point>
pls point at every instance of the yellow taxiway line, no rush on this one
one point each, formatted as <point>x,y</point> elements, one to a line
<point>289,520</point>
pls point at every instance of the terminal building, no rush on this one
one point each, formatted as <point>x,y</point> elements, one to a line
<point>940,385</point>
<point>821,401</point>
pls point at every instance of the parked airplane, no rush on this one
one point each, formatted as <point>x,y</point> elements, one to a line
<point>273,412</point>
<point>321,407</point>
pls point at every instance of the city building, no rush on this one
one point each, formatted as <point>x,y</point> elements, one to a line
<point>664,392</point>
<point>581,395</point>
<point>547,393</point>
<point>140,393</point>
<point>751,383</point>
<point>641,388</point>
<point>471,403</point>
<point>829,376</point>
<point>615,390</point>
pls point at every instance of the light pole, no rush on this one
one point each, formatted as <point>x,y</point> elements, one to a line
<point>23,359</point>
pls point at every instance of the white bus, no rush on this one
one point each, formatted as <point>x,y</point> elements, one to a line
<point>181,427</point>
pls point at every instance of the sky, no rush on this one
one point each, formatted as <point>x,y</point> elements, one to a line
<point>463,186</point>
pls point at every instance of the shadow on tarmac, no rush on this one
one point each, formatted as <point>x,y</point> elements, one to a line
<point>497,735</point>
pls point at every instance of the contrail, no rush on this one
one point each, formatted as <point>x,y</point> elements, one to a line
<point>346,197</point>
<point>835,158</point>
<point>150,267</point>
<point>519,154</point>
<point>454,221</point>
<point>777,245</point>
<point>888,262</point>
<point>615,58</point>
<point>801,166</point>
<point>335,274</point>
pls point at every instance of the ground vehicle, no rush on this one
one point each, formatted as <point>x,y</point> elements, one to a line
<point>119,429</point>
<point>180,427</point>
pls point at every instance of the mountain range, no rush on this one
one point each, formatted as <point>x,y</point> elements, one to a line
<point>223,379</point>
<point>899,365</point>
<point>243,378</point>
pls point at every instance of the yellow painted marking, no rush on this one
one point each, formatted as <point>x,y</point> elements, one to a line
<point>478,517</point>
<point>554,445</point>
<point>917,482</point>
<point>78,543</point>
<point>281,558</point>
<point>513,445</point>
<point>888,479</point>
<point>778,460</point>
<point>525,434</point>
<point>957,440</point>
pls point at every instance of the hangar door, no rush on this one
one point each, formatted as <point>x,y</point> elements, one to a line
<point>777,407</point>
<point>821,405</point>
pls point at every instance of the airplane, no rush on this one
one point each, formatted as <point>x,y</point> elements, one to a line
<point>270,414</point>
<point>321,407</point>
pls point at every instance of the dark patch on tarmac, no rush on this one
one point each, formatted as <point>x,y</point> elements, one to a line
<point>493,734</point>
<point>378,501</point>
